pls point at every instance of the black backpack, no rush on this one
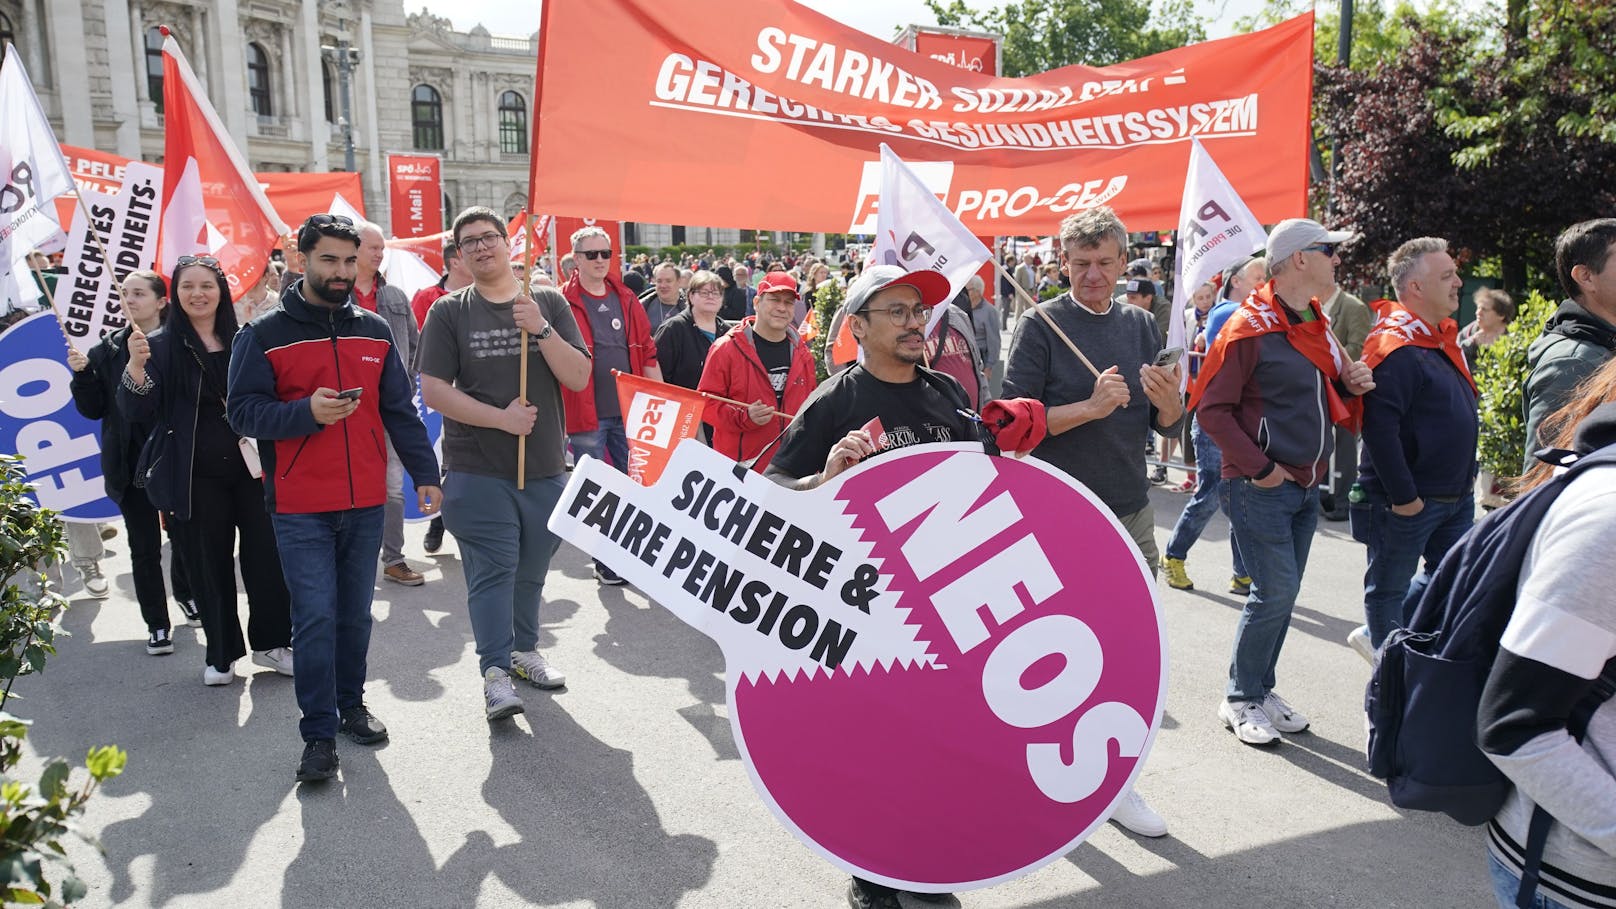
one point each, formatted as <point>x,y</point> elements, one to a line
<point>1425,692</point>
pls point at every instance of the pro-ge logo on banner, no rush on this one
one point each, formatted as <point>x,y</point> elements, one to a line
<point>944,668</point>
<point>655,416</point>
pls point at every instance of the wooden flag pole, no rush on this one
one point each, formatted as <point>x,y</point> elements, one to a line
<point>1027,299</point>
<point>44,289</point>
<point>521,380</point>
<point>712,397</point>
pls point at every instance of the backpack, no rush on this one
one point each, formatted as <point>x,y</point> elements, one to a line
<point>1425,691</point>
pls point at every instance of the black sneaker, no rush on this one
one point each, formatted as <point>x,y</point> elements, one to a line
<point>193,616</point>
<point>607,576</point>
<point>319,761</point>
<point>434,536</point>
<point>1158,476</point>
<point>159,643</point>
<point>359,724</point>
<point>860,898</point>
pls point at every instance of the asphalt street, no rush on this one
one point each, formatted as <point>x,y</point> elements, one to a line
<point>626,790</point>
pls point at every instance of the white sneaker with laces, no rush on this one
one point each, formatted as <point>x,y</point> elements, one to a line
<point>499,695</point>
<point>1284,717</point>
<point>530,665</point>
<point>1132,813</point>
<point>94,583</point>
<point>1358,640</point>
<point>276,658</point>
<point>211,676</point>
<point>1248,722</point>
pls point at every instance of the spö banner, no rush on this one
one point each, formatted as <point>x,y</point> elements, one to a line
<point>739,93</point>
<point>944,668</point>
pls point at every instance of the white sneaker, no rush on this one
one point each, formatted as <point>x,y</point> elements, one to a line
<point>528,664</point>
<point>211,676</point>
<point>500,695</point>
<point>276,658</point>
<point>1284,717</point>
<point>1359,641</point>
<point>1248,722</point>
<point>94,584</point>
<point>1132,813</point>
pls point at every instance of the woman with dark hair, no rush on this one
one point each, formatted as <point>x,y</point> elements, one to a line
<point>734,308</point>
<point>196,467</point>
<point>144,296</point>
<point>1561,639</point>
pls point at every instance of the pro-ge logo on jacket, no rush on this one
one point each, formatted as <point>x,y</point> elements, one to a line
<point>370,359</point>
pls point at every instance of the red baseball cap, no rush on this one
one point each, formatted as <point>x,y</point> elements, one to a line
<point>777,280</point>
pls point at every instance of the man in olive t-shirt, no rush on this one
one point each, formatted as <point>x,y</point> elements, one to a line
<point>470,362</point>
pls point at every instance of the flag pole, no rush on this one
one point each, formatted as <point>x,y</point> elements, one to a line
<point>709,395</point>
<point>1027,299</point>
<point>45,291</point>
<point>521,381</point>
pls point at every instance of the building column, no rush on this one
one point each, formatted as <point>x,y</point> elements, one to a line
<point>125,100</point>
<point>228,59</point>
<point>314,73</point>
<point>65,22</point>
<point>377,205</point>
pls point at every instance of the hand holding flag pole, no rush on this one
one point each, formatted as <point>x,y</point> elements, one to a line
<point>1028,301</point>
<point>521,369</point>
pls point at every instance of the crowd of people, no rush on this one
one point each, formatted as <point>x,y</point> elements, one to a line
<point>1295,402</point>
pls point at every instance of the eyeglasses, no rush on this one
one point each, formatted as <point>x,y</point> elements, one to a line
<point>1327,248</point>
<point>482,241</point>
<point>595,253</point>
<point>708,292</point>
<point>209,261</point>
<point>902,315</point>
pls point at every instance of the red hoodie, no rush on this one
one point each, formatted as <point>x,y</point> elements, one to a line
<point>580,405</point>
<point>735,371</point>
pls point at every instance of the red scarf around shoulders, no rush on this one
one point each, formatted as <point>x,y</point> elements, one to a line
<point>1264,313</point>
<point>1396,325</point>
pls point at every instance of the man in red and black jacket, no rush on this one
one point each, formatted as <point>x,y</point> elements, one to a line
<point>764,363</point>
<point>320,384</point>
<point>618,333</point>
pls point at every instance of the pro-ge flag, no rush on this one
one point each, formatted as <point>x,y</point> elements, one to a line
<point>914,229</point>
<point>32,165</point>
<point>1215,230</point>
<point>212,205</point>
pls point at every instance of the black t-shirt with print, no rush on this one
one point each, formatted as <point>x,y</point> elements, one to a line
<point>776,357</point>
<point>912,413</point>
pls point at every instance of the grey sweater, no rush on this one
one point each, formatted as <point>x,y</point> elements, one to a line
<point>1107,456</point>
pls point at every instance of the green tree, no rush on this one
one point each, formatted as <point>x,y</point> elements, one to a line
<point>1041,35</point>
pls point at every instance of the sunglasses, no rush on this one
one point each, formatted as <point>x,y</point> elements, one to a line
<point>323,220</point>
<point>1327,248</point>
<point>209,261</point>
<point>595,253</point>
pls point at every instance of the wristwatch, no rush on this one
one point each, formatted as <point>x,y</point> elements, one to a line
<point>548,330</point>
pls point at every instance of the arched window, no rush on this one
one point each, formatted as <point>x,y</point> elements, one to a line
<point>7,35</point>
<point>512,124</point>
<point>154,66</point>
<point>426,114</point>
<point>258,80</point>
<point>328,81</point>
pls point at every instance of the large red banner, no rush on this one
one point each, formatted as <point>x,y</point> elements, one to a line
<point>979,55</point>
<point>740,93</point>
<point>416,190</point>
<point>566,227</point>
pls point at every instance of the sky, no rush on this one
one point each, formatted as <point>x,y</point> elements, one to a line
<point>882,18</point>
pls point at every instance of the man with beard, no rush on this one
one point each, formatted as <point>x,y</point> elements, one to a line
<point>317,381</point>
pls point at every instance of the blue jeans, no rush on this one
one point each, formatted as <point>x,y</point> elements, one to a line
<point>607,439</point>
<point>1275,527</point>
<point>329,560</point>
<point>1209,494</point>
<point>505,547</point>
<point>1395,545</point>
<point>1506,884</point>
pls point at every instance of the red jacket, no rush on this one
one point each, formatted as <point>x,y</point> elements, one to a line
<point>423,300</point>
<point>735,371</point>
<point>580,405</point>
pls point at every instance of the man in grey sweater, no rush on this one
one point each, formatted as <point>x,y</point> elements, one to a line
<point>1098,425</point>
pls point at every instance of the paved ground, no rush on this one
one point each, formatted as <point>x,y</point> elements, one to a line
<point>625,790</point>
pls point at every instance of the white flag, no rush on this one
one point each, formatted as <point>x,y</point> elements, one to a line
<point>915,230</point>
<point>118,236</point>
<point>31,165</point>
<point>1215,230</point>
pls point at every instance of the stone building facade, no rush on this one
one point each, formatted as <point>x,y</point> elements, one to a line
<point>269,67</point>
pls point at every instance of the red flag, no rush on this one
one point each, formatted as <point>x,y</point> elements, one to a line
<point>212,205</point>
<point>656,418</point>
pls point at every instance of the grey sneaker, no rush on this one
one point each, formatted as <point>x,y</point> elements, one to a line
<point>530,665</point>
<point>1284,717</point>
<point>94,583</point>
<point>500,695</point>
